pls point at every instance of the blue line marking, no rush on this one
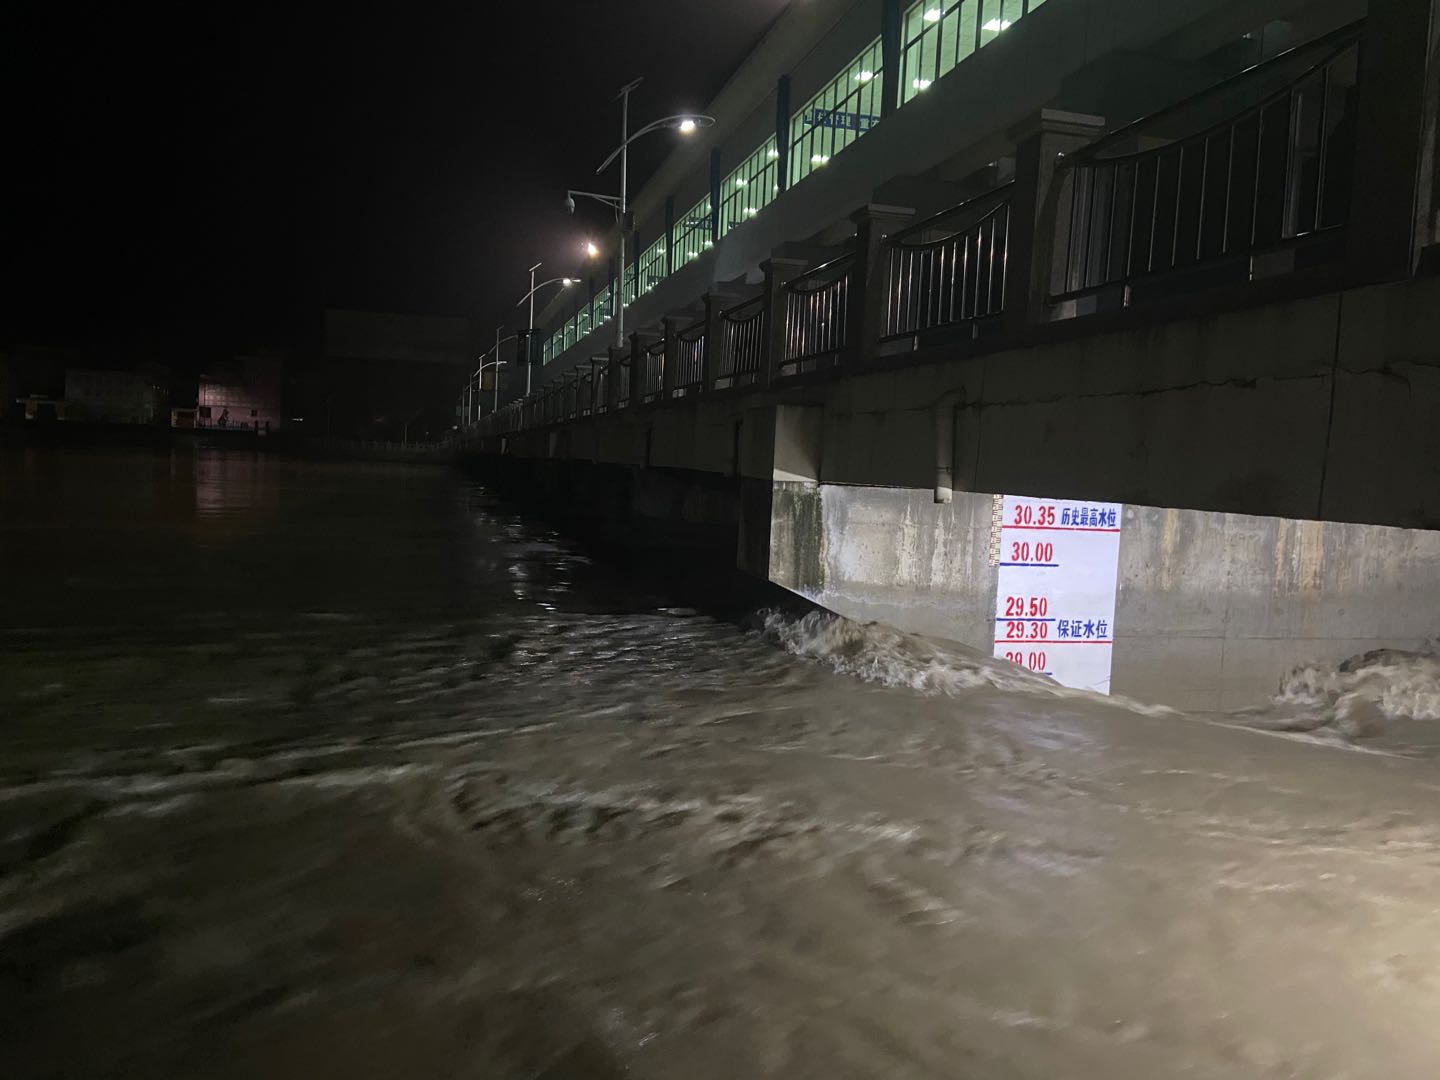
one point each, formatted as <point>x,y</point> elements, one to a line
<point>1050,564</point>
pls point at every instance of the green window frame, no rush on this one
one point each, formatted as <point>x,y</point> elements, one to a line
<point>692,232</point>
<point>651,266</point>
<point>937,34</point>
<point>750,187</point>
<point>600,307</point>
<point>842,112</point>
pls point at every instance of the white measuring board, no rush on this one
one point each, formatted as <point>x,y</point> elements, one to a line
<point>1055,588</point>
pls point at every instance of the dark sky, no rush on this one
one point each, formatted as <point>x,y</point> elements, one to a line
<point>206,178</point>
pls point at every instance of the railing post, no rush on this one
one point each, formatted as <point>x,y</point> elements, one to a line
<point>865,306</point>
<point>1392,201</point>
<point>714,342</point>
<point>716,301</point>
<point>671,358</point>
<point>615,360</point>
<point>637,370</point>
<point>778,273</point>
<point>1039,211</point>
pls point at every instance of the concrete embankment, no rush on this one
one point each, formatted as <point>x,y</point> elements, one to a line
<point>1264,478</point>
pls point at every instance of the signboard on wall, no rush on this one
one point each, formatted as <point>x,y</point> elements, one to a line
<point>1058,561</point>
<point>839,118</point>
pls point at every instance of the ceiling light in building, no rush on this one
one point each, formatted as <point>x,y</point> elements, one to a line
<point>709,243</point>
<point>919,84</point>
<point>773,154</point>
<point>819,159</point>
<point>740,181</point>
<point>996,25</point>
<point>933,15</point>
<point>864,76</point>
<point>750,210</point>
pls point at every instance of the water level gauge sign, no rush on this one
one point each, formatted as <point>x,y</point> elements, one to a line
<point>1055,588</point>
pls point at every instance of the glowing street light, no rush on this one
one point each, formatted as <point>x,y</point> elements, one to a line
<point>685,124</point>
<point>564,283</point>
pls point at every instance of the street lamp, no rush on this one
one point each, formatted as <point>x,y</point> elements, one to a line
<point>497,364</point>
<point>478,377</point>
<point>685,124</point>
<point>563,282</point>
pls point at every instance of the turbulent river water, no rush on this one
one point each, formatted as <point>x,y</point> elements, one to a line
<point>318,770</point>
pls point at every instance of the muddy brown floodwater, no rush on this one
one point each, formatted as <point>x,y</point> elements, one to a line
<point>316,770</point>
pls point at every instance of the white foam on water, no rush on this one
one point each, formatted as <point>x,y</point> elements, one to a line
<point>1363,696</point>
<point>881,654</point>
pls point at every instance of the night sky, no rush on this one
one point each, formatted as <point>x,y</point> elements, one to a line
<point>192,181</point>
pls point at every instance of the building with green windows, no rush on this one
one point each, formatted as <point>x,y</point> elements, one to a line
<point>848,103</point>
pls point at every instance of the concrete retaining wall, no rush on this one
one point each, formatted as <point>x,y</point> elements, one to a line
<point>1249,426</point>
<point>1213,609</point>
<point>1323,407</point>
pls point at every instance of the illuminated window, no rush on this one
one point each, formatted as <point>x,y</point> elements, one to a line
<point>749,188</point>
<point>600,308</point>
<point>651,267</point>
<point>938,34</point>
<point>838,115</point>
<point>692,232</point>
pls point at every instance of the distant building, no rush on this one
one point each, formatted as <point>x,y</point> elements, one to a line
<point>112,397</point>
<point>37,407</point>
<point>243,394</point>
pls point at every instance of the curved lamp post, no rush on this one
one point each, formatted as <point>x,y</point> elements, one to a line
<point>563,282</point>
<point>478,378</point>
<point>685,124</point>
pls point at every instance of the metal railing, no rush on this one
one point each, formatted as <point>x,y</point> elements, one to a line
<point>1268,177</point>
<point>690,356</point>
<point>585,393</point>
<point>570,398</point>
<point>816,306</point>
<point>653,358</point>
<point>625,382</point>
<point>1251,177</point>
<point>742,339</point>
<point>949,269</point>
<point>600,370</point>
